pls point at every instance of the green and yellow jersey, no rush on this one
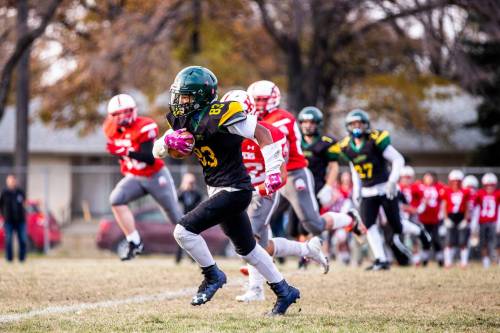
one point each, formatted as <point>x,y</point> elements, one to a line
<point>368,159</point>
<point>217,150</point>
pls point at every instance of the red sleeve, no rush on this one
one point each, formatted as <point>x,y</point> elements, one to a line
<point>147,130</point>
<point>275,133</point>
<point>477,199</point>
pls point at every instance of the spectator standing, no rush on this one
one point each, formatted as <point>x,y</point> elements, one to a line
<point>12,200</point>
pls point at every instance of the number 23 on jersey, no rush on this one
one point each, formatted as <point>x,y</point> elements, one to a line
<point>206,156</point>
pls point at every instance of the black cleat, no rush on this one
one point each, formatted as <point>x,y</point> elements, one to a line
<point>133,250</point>
<point>287,295</point>
<point>379,266</point>
<point>213,281</point>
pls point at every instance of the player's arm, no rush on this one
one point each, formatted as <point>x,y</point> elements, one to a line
<point>145,153</point>
<point>356,185</point>
<point>333,172</point>
<point>474,222</point>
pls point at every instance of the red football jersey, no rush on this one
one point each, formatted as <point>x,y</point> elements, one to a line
<point>286,123</point>
<point>456,201</point>
<point>252,156</point>
<point>432,197</point>
<point>471,201</point>
<point>412,193</point>
<point>142,129</point>
<point>488,205</point>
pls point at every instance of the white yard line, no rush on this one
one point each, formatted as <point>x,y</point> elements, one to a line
<point>164,296</point>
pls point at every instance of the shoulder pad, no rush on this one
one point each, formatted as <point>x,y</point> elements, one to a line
<point>228,113</point>
<point>327,139</point>
<point>344,142</point>
<point>382,138</point>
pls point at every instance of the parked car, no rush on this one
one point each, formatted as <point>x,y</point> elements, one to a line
<point>156,233</point>
<point>35,220</point>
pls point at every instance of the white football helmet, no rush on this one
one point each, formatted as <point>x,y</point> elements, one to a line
<point>123,109</point>
<point>245,99</point>
<point>407,171</point>
<point>470,181</point>
<point>267,96</point>
<point>455,175</point>
<point>489,179</point>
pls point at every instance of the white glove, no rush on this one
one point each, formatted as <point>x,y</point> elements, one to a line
<point>448,223</point>
<point>391,190</point>
<point>325,195</point>
<point>462,225</point>
<point>159,149</point>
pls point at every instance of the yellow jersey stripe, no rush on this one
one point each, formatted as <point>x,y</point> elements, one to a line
<point>234,108</point>
<point>382,136</point>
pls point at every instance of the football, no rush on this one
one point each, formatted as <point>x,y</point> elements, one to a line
<point>177,154</point>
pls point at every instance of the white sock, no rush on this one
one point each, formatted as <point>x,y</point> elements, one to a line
<point>376,244</point>
<point>447,256</point>
<point>194,245</point>
<point>416,258</point>
<point>340,220</point>
<point>284,247</point>
<point>134,237</point>
<point>255,279</point>
<point>263,262</point>
<point>464,256</point>
<point>486,262</point>
<point>410,228</point>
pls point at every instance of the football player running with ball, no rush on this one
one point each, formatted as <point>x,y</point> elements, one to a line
<point>219,129</point>
<point>131,138</point>
<point>299,188</point>
<point>368,152</point>
<point>263,205</point>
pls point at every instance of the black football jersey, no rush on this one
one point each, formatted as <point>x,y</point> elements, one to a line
<point>217,150</point>
<point>368,159</point>
<point>319,154</point>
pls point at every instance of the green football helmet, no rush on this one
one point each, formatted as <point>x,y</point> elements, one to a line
<point>199,83</point>
<point>313,114</point>
<point>361,116</point>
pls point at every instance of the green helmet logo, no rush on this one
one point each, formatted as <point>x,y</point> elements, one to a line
<point>311,113</point>
<point>197,82</point>
<point>355,116</point>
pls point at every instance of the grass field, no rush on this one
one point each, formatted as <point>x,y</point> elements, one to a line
<point>152,294</point>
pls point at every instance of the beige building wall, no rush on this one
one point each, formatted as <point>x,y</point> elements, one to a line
<point>56,172</point>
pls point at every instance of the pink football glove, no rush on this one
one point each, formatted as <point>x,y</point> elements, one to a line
<point>273,182</point>
<point>176,141</point>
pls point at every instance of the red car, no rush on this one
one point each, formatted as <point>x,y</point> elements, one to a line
<point>156,233</point>
<point>35,220</point>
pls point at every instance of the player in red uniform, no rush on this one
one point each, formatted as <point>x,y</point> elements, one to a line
<point>456,214</point>
<point>131,139</point>
<point>487,216</point>
<point>471,184</point>
<point>262,206</point>
<point>429,212</point>
<point>299,189</point>
<point>410,197</point>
